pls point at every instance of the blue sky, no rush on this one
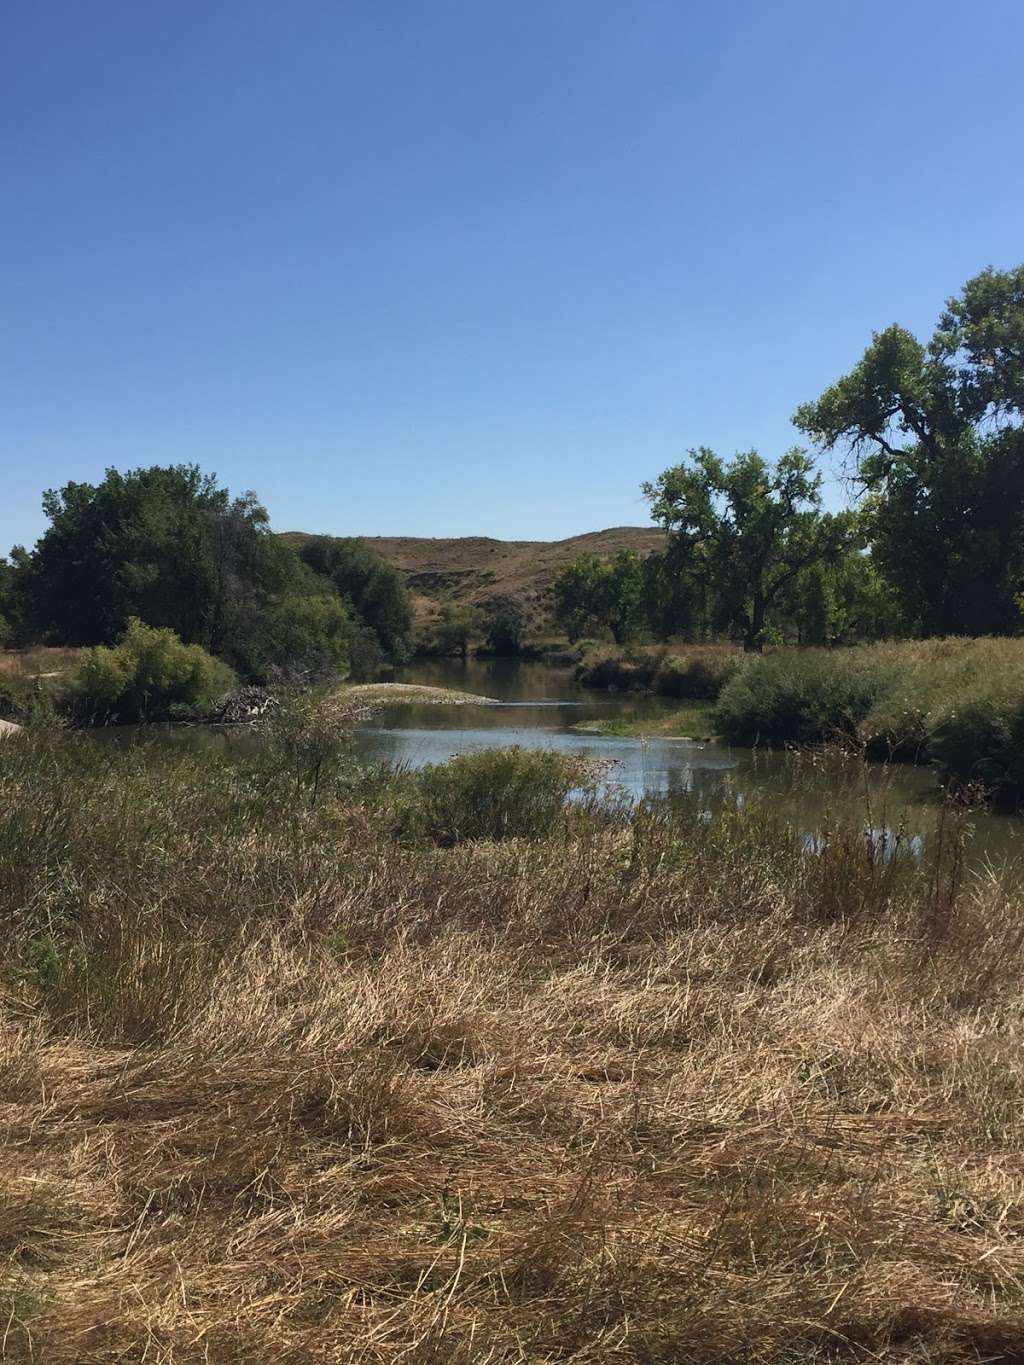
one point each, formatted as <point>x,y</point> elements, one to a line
<point>482,267</point>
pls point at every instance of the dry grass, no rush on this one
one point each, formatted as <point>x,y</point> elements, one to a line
<point>39,661</point>
<point>388,694</point>
<point>277,1088</point>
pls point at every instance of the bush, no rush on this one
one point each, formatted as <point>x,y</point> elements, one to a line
<point>307,635</point>
<point>803,697</point>
<point>957,703</point>
<point>981,743</point>
<point>148,675</point>
<point>495,794</point>
<point>698,673</point>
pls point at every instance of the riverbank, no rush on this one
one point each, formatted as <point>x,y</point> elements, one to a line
<point>954,704</point>
<point>392,693</point>
<point>300,1071</point>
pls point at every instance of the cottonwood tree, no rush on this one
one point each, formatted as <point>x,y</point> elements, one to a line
<point>170,547</point>
<point>593,594</point>
<point>746,529</point>
<point>935,443</point>
<point>167,545</point>
<point>457,624</point>
<point>375,590</point>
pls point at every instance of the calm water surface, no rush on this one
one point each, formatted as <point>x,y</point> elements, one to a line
<point>540,705</point>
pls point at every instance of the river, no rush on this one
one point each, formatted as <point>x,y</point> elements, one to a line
<point>538,706</point>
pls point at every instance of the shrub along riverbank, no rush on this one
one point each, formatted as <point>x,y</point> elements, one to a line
<point>303,1065</point>
<point>956,703</point>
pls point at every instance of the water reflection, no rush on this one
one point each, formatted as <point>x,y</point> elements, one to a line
<point>810,791</point>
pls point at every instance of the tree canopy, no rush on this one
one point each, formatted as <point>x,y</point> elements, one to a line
<point>936,444</point>
<point>171,548</point>
<point>593,593</point>
<point>374,589</point>
<point>748,529</point>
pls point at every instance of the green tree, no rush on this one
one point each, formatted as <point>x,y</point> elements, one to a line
<point>593,594</point>
<point>747,529</point>
<point>165,545</point>
<point>375,590</point>
<point>675,597</point>
<point>309,635</point>
<point>457,624</point>
<point>934,435</point>
<point>505,628</point>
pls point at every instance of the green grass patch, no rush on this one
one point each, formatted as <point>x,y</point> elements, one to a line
<point>694,720</point>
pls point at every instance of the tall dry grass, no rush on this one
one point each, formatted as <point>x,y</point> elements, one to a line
<point>280,1083</point>
<point>957,703</point>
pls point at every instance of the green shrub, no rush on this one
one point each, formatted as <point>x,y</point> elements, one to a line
<point>804,697</point>
<point>624,669</point>
<point>981,742</point>
<point>494,794</point>
<point>958,703</point>
<point>148,675</point>
<point>699,673</point>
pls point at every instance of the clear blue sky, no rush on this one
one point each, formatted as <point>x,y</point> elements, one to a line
<point>435,268</point>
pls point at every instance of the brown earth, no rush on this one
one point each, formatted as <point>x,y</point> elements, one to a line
<point>475,568</point>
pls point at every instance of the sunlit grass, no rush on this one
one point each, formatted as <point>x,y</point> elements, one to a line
<point>288,1077</point>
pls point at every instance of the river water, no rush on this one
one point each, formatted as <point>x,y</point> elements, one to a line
<point>538,706</point>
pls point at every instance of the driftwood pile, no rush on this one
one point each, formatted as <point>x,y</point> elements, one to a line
<point>245,704</point>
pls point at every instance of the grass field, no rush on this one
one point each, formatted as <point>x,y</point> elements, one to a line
<point>296,1070</point>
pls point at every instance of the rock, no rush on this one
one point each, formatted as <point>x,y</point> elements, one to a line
<point>8,727</point>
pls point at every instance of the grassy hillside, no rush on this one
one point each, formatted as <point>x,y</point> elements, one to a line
<point>474,568</point>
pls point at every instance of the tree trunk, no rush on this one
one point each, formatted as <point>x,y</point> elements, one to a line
<point>753,640</point>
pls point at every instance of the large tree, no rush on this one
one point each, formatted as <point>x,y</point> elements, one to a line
<point>375,590</point>
<point>934,436</point>
<point>747,529</point>
<point>594,594</point>
<point>172,548</point>
<point>166,545</point>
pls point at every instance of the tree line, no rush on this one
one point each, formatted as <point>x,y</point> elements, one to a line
<point>932,437</point>
<point>933,443</point>
<point>171,548</point>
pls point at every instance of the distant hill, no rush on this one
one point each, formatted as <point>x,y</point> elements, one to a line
<point>474,568</point>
